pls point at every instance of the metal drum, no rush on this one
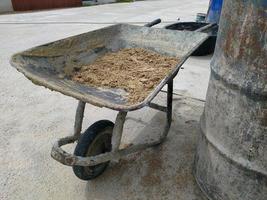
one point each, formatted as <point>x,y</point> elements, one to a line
<point>231,159</point>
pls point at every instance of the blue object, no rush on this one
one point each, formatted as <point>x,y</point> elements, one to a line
<point>214,11</point>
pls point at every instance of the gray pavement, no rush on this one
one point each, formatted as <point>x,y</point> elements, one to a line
<point>33,117</point>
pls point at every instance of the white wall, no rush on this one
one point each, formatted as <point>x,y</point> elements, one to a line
<point>5,6</point>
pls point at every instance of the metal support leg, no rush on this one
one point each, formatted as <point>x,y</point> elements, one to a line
<point>79,119</point>
<point>169,102</point>
<point>117,130</point>
<point>169,111</point>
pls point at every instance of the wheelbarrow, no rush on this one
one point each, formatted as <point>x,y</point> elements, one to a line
<point>50,65</point>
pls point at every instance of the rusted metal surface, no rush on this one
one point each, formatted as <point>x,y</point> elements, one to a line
<point>23,5</point>
<point>79,119</point>
<point>70,160</point>
<point>231,161</point>
<point>50,65</point>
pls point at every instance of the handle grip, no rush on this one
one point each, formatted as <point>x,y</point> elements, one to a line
<point>153,23</point>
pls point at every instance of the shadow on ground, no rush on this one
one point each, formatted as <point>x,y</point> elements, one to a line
<point>161,172</point>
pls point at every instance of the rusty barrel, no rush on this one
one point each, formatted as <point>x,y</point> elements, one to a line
<point>231,158</point>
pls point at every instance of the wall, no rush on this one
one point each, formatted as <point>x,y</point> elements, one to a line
<point>23,5</point>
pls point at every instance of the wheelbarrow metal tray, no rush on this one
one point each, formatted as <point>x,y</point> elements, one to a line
<point>51,65</point>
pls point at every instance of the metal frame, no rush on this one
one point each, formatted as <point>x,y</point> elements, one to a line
<point>69,159</point>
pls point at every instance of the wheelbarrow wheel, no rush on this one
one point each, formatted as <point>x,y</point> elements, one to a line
<point>94,141</point>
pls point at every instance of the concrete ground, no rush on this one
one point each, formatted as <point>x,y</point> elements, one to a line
<point>33,117</point>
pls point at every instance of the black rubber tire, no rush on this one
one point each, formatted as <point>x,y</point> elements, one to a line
<point>97,136</point>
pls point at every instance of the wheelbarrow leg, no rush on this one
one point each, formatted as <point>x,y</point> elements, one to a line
<point>168,112</point>
<point>79,119</point>
<point>117,130</point>
<point>169,102</point>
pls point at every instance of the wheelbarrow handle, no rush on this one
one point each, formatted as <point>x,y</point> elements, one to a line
<point>208,26</point>
<point>153,23</point>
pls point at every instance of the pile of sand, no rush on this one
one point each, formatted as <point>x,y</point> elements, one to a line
<point>137,71</point>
